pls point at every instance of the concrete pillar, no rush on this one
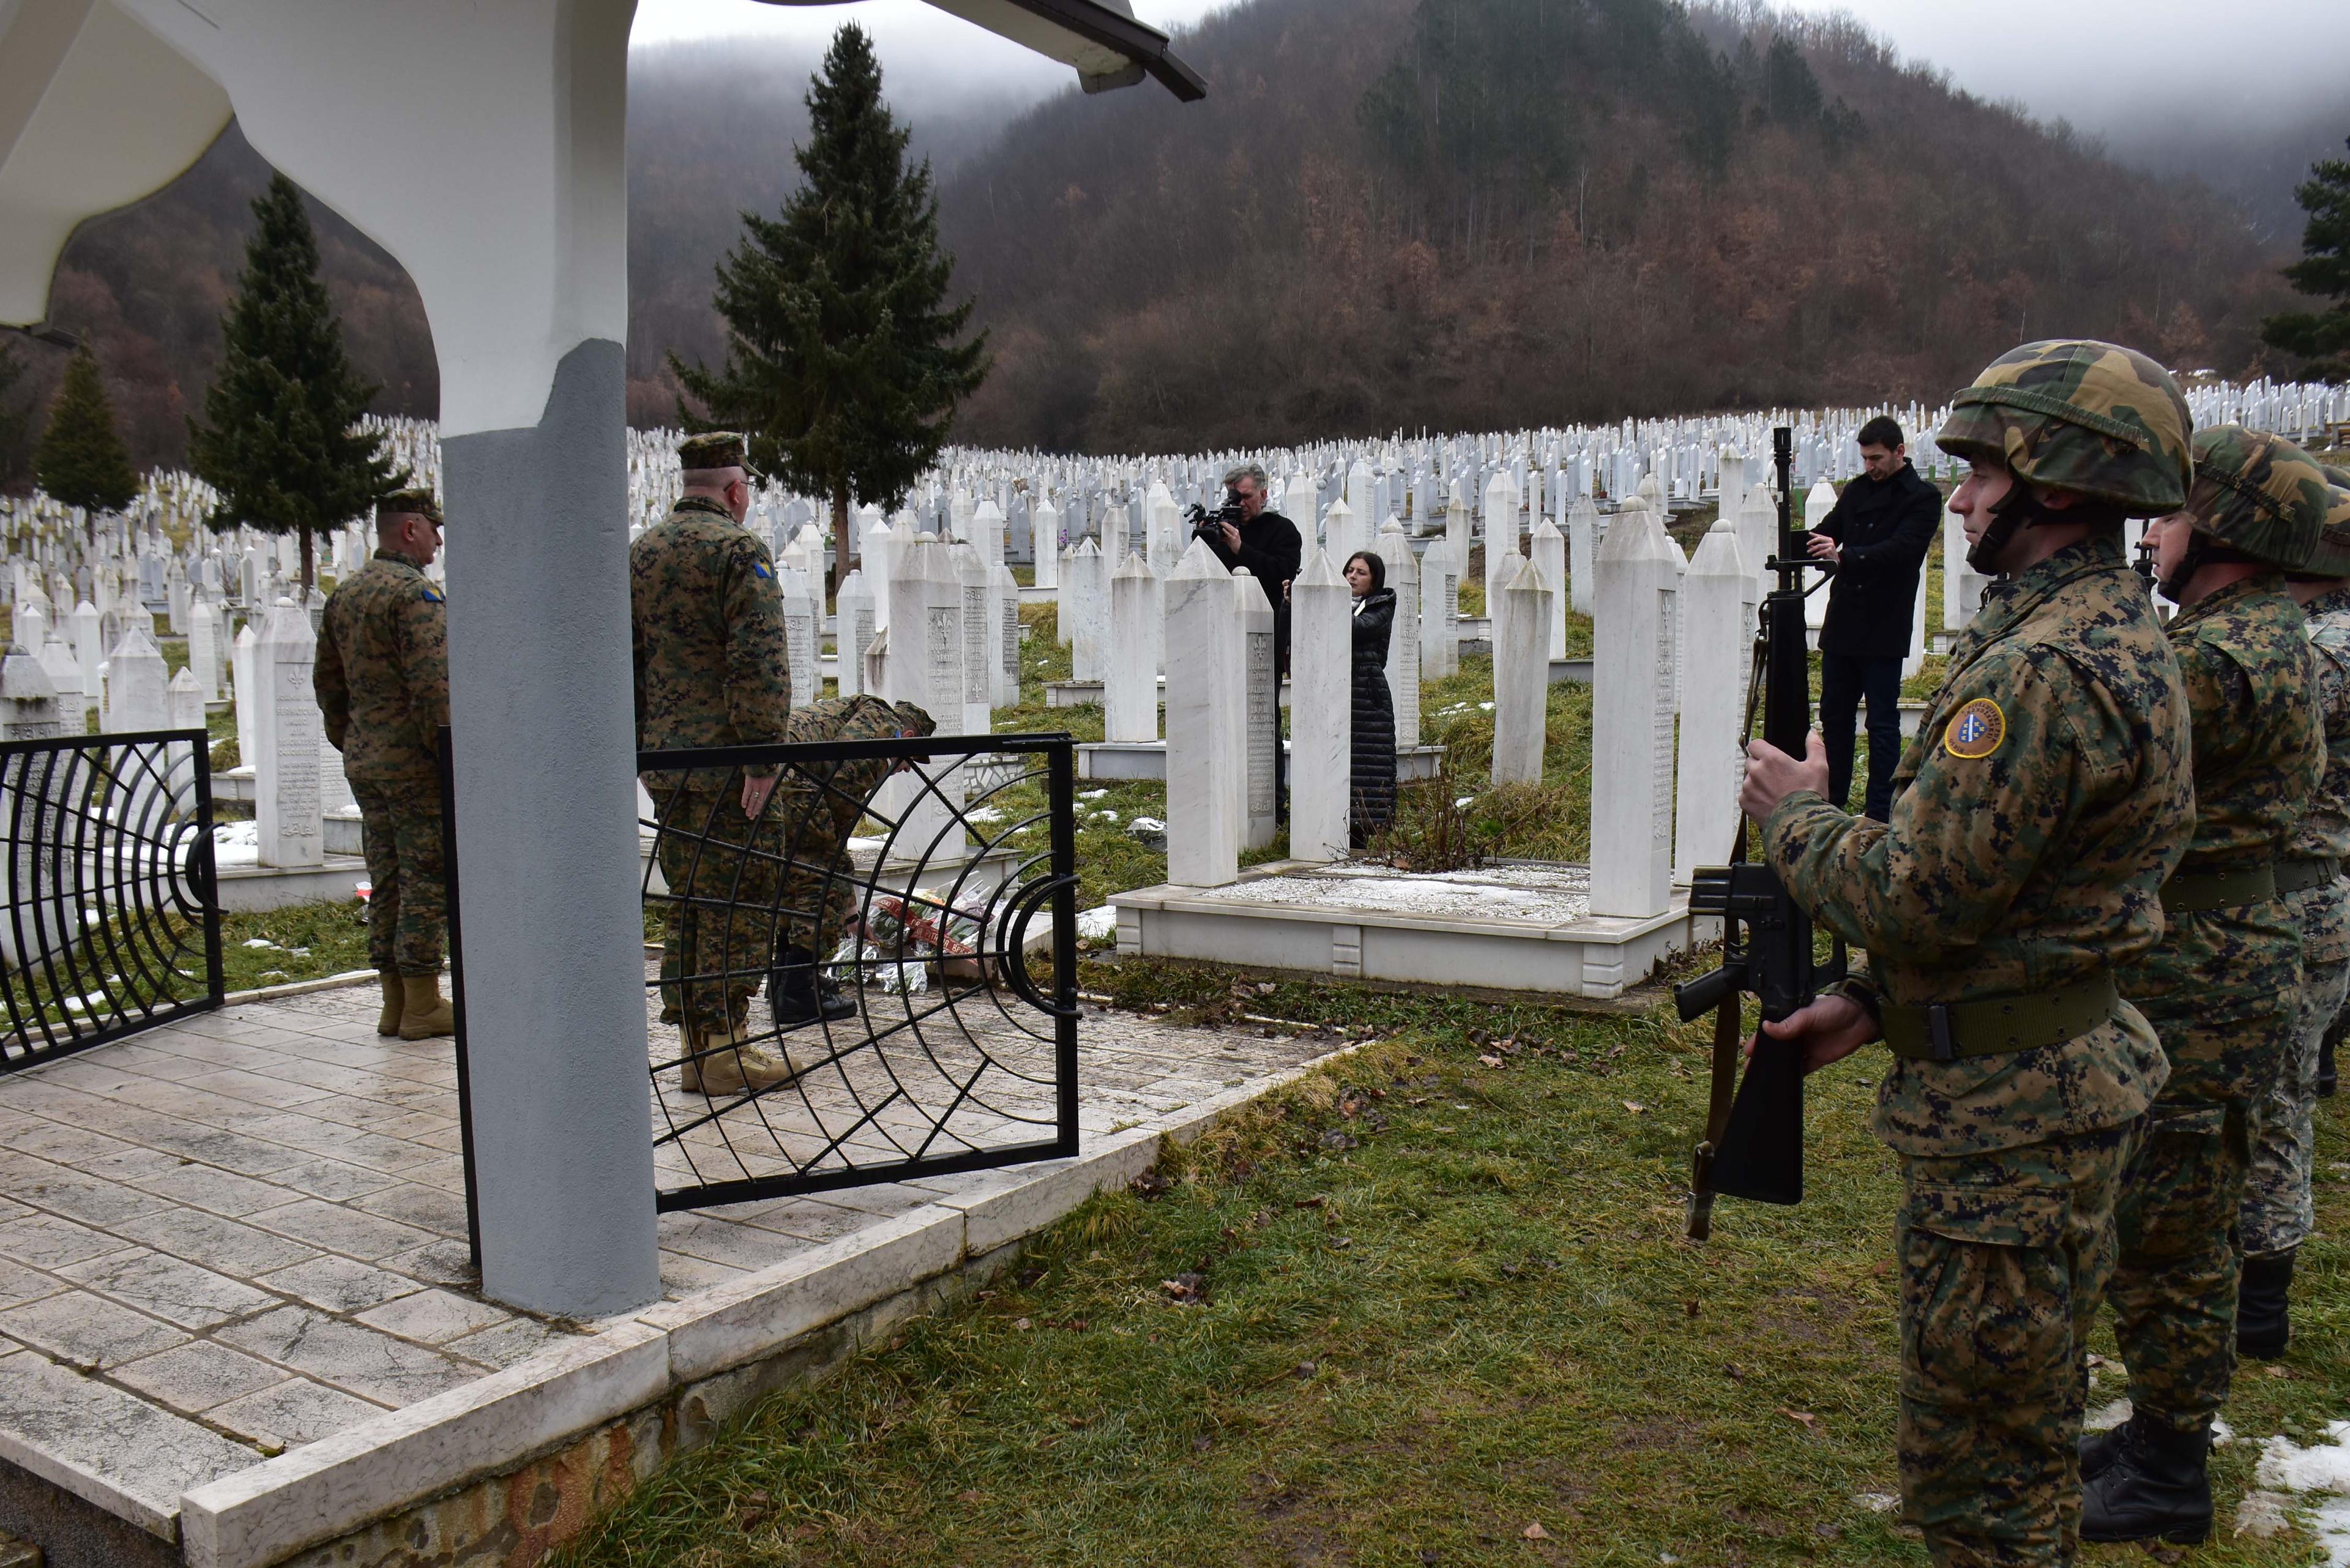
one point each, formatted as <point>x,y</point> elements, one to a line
<point>1321,657</point>
<point>1520,616</point>
<point>1717,647</point>
<point>1633,637</point>
<point>1204,769</point>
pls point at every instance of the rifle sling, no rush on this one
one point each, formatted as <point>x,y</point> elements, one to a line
<point>1997,1025</point>
<point>2218,890</point>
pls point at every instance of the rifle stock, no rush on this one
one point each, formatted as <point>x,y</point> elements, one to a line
<point>1753,1143</point>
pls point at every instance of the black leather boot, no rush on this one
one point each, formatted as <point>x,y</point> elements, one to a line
<point>2098,1451</point>
<point>2156,1488</point>
<point>2264,1317</point>
<point>799,995</point>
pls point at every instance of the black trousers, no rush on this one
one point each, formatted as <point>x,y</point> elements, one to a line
<point>1845,679</point>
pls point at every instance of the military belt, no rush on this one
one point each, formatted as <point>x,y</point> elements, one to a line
<point>2299,875</point>
<point>1997,1025</point>
<point>2219,890</point>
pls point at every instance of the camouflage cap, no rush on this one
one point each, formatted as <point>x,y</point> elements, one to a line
<point>419,503</point>
<point>2090,417</point>
<point>2259,495</point>
<point>909,717</point>
<point>714,449</point>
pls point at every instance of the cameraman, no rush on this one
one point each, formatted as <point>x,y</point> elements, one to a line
<point>1266,542</point>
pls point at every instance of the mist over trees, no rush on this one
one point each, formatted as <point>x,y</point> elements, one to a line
<point>1388,214</point>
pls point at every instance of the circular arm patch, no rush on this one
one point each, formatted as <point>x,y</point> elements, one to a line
<point>1975,731</point>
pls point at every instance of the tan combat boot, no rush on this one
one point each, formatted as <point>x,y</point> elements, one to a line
<point>424,1014</point>
<point>724,1066</point>
<point>388,1021</point>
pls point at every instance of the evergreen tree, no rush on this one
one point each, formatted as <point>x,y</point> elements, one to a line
<point>15,418</point>
<point>82,460</point>
<point>2324,271</point>
<point>278,439</point>
<point>841,360</point>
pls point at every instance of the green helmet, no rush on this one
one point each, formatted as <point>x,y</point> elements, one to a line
<point>2262,496</point>
<point>2090,417</point>
<point>2331,558</point>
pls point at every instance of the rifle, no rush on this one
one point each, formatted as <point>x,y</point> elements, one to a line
<point>1753,1143</point>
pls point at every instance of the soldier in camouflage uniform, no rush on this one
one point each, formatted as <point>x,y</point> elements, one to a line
<point>707,623</point>
<point>2035,817</point>
<point>2277,1214</point>
<point>819,805</point>
<point>382,680</point>
<point>2218,988</point>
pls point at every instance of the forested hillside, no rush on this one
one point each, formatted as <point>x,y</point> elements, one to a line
<point>1388,214</point>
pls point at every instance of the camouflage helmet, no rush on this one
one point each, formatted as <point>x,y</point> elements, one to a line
<point>2093,419</point>
<point>914,719</point>
<point>2262,496</point>
<point>2331,558</point>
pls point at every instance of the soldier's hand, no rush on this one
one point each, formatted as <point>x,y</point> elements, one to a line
<point>755,793</point>
<point>1832,1028</point>
<point>1771,775</point>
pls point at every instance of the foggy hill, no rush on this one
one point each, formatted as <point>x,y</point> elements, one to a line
<point>1389,213</point>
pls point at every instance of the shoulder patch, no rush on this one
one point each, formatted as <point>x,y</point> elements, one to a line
<point>433,595</point>
<point>760,567</point>
<point>1975,731</point>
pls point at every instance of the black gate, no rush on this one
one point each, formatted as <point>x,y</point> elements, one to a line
<point>113,922</point>
<point>851,987</point>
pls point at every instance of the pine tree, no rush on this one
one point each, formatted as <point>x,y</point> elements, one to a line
<point>82,459</point>
<point>15,418</point>
<point>279,438</point>
<point>841,362</point>
<point>2324,271</point>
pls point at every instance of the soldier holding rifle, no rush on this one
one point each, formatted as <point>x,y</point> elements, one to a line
<point>2036,816</point>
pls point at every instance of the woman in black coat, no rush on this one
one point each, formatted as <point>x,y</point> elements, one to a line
<point>1374,763</point>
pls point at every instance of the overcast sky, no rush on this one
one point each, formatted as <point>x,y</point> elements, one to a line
<point>2121,68</point>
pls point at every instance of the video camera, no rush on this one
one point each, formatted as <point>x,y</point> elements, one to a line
<point>1208,525</point>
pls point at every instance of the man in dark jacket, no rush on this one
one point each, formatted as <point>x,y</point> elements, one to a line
<point>1267,544</point>
<point>1877,537</point>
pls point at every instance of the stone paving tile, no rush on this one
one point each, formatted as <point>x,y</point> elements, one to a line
<point>169,1288</point>
<point>333,1180</point>
<point>222,1192</point>
<point>340,1284</point>
<point>239,1084</point>
<point>361,1360</point>
<point>441,1262</point>
<point>89,1199</point>
<point>428,1208</point>
<point>348,1145</point>
<point>230,1150</point>
<point>334,1226</point>
<point>206,1238</point>
<point>139,1447</point>
<point>293,1413</point>
<point>716,1241</point>
<point>87,1331</point>
<point>680,1276</point>
<point>47,1242</point>
<point>19,1284</point>
<point>436,1317</point>
<point>193,1378</point>
<point>516,1339</point>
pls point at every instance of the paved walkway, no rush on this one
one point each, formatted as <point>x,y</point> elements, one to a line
<point>241,1233</point>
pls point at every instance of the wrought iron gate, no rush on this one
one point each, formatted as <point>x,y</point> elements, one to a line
<point>113,919</point>
<point>885,900</point>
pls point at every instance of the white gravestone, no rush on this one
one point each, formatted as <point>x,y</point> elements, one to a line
<point>800,636</point>
<point>1520,616</point>
<point>1044,542</point>
<point>1005,590</point>
<point>982,631</point>
<point>1547,550</point>
<point>1633,637</point>
<point>205,644</point>
<point>1261,707</point>
<point>243,684</point>
<point>1165,531</point>
<point>1130,688</point>
<point>1961,588</point>
<point>881,555</point>
<point>1439,637</point>
<point>287,802</point>
<point>1456,538</point>
<point>1500,531</point>
<point>1717,644</point>
<point>64,669</point>
<point>136,686</point>
<point>1349,531</point>
<point>1321,758</point>
<point>853,610</point>
<point>1818,501</point>
<point>1758,535</point>
<point>89,649</point>
<point>1403,640</point>
<point>1088,606</point>
<point>1205,772</point>
<point>926,670</point>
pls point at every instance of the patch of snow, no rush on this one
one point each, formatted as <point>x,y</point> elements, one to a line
<point>1105,814</point>
<point>2323,1470</point>
<point>1091,794</point>
<point>985,813</point>
<point>1877,1501</point>
<point>1098,923</point>
<point>1485,707</point>
<point>259,942</point>
<point>2105,1418</point>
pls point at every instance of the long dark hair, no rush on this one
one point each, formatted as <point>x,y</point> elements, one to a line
<point>1379,569</point>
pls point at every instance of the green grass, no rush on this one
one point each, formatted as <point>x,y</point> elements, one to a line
<point>1446,1297</point>
<point>306,941</point>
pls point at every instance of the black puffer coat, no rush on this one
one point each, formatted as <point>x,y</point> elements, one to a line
<point>1375,741</point>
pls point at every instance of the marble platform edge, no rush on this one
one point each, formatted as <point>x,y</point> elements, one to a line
<point>322,1492</point>
<point>1176,897</point>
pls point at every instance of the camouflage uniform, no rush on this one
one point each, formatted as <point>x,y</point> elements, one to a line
<point>707,623</point>
<point>382,677</point>
<point>2220,988</point>
<point>818,805</point>
<point>2035,817</point>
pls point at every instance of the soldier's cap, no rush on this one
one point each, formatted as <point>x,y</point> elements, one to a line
<point>2262,496</point>
<point>910,717</point>
<point>714,449</point>
<point>2095,418</point>
<point>399,503</point>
